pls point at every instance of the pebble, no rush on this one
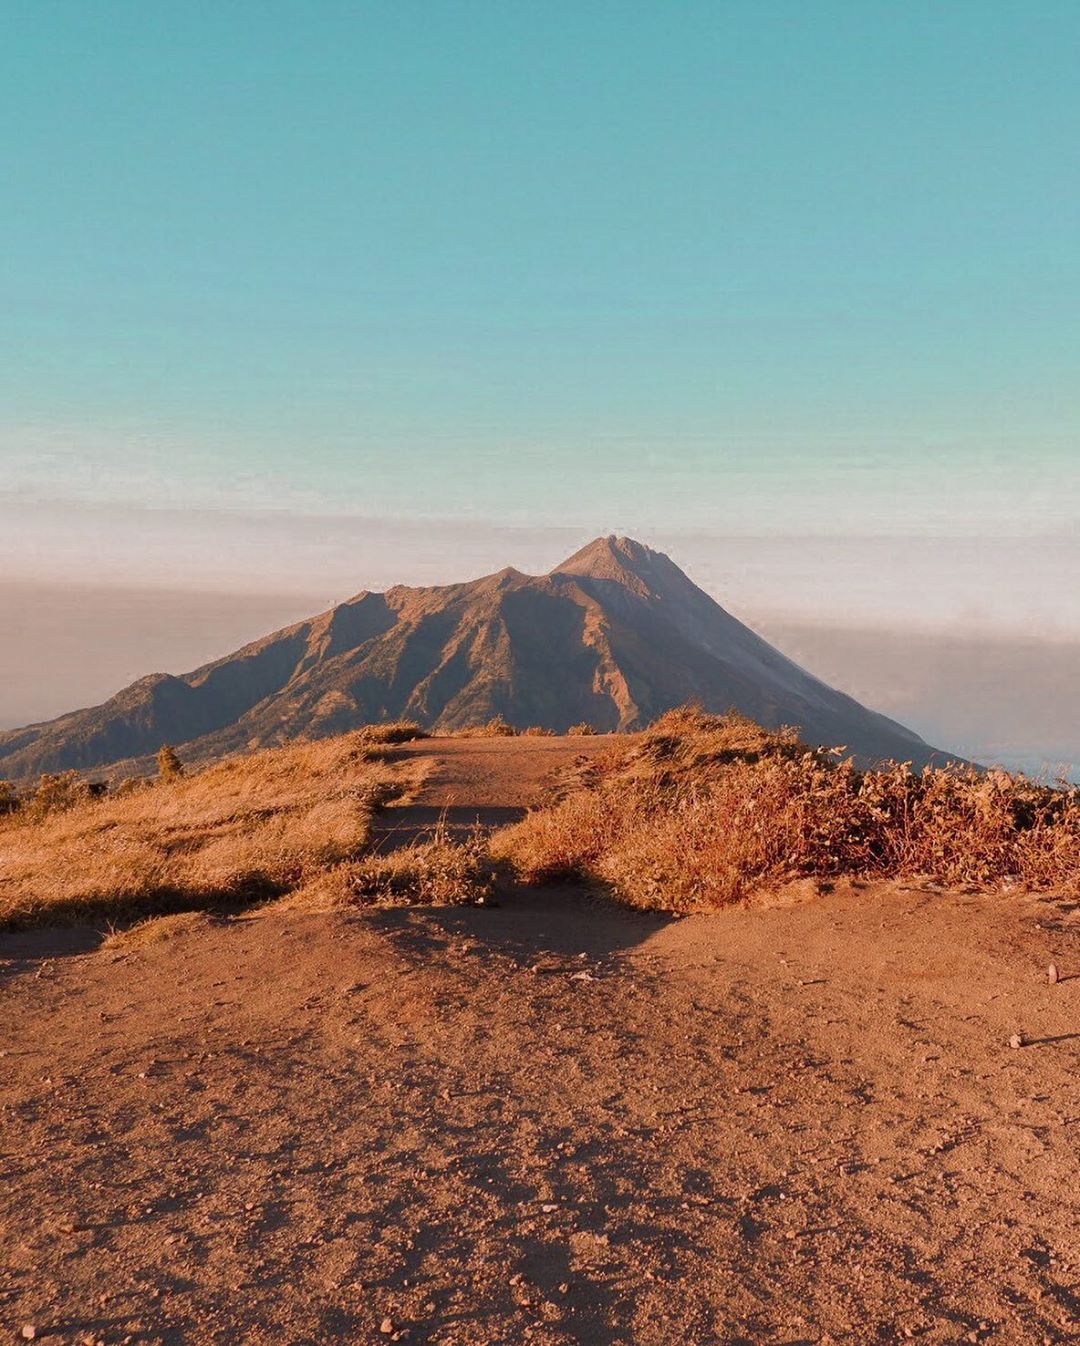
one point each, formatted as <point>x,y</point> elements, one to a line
<point>386,1327</point>
<point>1016,1041</point>
<point>29,1331</point>
<point>1052,974</point>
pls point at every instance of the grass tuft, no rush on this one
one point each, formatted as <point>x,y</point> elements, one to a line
<point>393,731</point>
<point>434,872</point>
<point>496,727</point>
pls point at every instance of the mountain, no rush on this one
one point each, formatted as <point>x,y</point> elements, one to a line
<point>614,635</point>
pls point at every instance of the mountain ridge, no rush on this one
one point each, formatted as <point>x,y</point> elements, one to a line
<point>613,635</point>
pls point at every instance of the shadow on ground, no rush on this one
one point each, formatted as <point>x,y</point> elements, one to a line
<point>564,920</point>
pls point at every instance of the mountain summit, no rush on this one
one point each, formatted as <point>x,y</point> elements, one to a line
<point>614,636</point>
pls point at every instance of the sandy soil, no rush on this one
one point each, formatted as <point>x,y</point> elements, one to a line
<point>549,1121</point>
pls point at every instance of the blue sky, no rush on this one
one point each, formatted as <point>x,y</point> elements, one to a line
<point>699,270</point>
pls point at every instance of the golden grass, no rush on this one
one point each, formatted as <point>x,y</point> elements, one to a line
<point>434,872</point>
<point>246,828</point>
<point>496,727</point>
<point>706,808</point>
<point>156,930</point>
<point>393,731</point>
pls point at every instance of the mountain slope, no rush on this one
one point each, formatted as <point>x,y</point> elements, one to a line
<point>614,635</point>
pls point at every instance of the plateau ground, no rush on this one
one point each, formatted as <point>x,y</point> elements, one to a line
<point>552,1120</point>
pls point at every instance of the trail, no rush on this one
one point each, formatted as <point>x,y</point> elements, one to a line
<point>551,1121</point>
<point>481,783</point>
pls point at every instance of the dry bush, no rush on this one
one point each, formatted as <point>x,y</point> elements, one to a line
<point>246,828</point>
<point>537,731</point>
<point>705,808</point>
<point>57,793</point>
<point>169,764</point>
<point>436,872</point>
<point>393,731</point>
<point>496,727</point>
<point>579,729</point>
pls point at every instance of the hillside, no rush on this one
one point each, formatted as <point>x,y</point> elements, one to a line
<point>614,636</point>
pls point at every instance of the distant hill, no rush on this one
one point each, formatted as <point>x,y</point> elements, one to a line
<point>615,635</point>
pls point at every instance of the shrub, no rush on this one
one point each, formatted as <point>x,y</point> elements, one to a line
<point>705,808</point>
<point>58,792</point>
<point>496,727</point>
<point>168,764</point>
<point>582,728</point>
<point>537,731</point>
<point>9,797</point>
<point>436,872</point>
<point>393,731</point>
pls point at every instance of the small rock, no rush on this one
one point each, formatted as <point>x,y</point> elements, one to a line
<point>386,1327</point>
<point>1016,1041</point>
<point>29,1331</point>
<point>1052,974</point>
<point>548,1207</point>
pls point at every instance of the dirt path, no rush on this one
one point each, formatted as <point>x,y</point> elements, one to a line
<point>548,1122</point>
<point>482,783</point>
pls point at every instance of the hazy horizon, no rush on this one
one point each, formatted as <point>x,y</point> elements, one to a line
<point>305,299</point>
<point>995,698</point>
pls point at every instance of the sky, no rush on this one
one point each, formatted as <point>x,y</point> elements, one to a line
<point>304,298</point>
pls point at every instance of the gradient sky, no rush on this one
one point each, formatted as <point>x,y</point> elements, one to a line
<point>757,280</point>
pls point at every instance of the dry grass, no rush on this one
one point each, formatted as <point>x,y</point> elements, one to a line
<point>156,930</point>
<point>246,828</point>
<point>393,731</point>
<point>706,808</point>
<point>496,727</point>
<point>435,872</point>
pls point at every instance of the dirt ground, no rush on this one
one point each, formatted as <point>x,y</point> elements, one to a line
<point>548,1121</point>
